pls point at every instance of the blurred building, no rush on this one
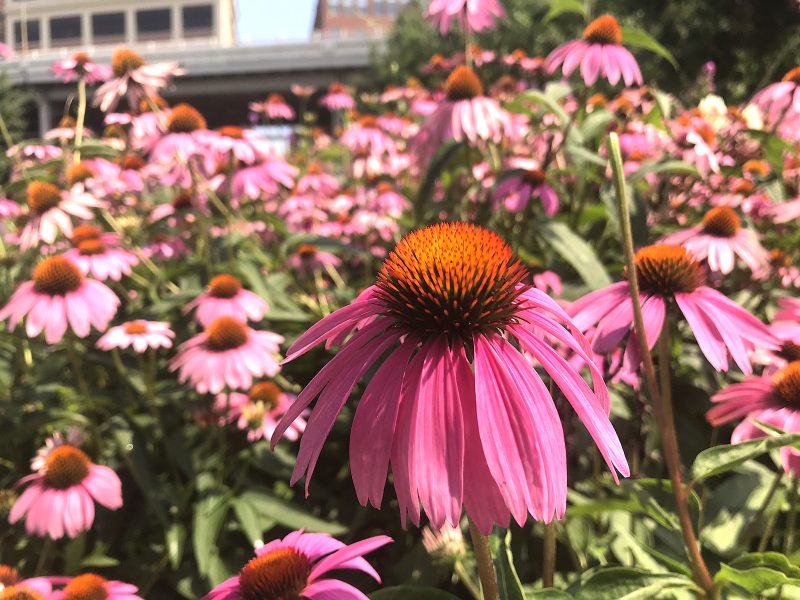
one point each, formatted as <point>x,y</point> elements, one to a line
<point>354,17</point>
<point>41,25</point>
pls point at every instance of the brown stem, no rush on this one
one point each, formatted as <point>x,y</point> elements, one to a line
<point>549,555</point>
<point>483,559</point>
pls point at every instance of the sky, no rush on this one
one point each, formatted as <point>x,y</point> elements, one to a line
<point>273,20</point>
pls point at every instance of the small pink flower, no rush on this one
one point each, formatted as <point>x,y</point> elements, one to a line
<point>244,145</point>
<point>263,180</point>
<point>772,400</point>
<point>308,259</point>
<point>141,335</point>
<point>36,588</point>
<point>781,101</point>
<point>96,258</point>
<point>259,411</point>
<point>80,65</point>
<point>719,239</point>
<point>91,586</point>
<point>599,53</point>
<point>365,137</point>
<point>228,353</point>
<point>274,108</point>
<point>548,281</point>
<point>785,211</point>
<point>294,568</point>
<point>225,297</point>
<point>59,296</point>
<point>472,15</point>
<point>315,179</point>
<point>516,191</point>
<point>61,495</point>
<point>337,98</point>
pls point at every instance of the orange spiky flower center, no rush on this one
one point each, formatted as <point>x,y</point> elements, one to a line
<point>136,328</point>
<point>84,232</point>
<point>131,162</point>
<point>125,60</point>
<point>534,177</point>
<point>224,286</point>
<point>226,333</point>
<point>185,118</point>
<point>43,196</point>
<point>368,121</point>
<point>721,221</point>
<point>56,276</point>
<point>665,270</point>
<point>793,75</point>
<point>65,466</point>
<point>307,250</point>
<point>86,587</point>
<point>452,279</point>
<point>8,576</point>
<point>19,592</point>
<point>603,30</point>
<point>91,247</point>
<point>463,84</point>
<point>789,351</point>
<point>757,167</point>
<point>267,393</point>
<point>67,122</point>
<point>280,574</point>
<point>786,384</point>
<point>232,131</point>
<point>78,173</point>
<point>81,59</point>
<point>276,99</point>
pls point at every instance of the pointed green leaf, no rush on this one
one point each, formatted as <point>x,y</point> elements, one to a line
<point>637,38</point>
<point>508,582</point>
<point>720,459</point>
<point>623,583</point>
<point>575,251</point>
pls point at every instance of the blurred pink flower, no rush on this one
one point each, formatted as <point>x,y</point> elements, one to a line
<point>275,108</point>
<point>365,137</point>
<point>337,98</point>
<point>138,334</point>
<point>90,586</point>
<point>225,297</point>
<point>133,79</point>
<point>785,211</point>
<point>516,191</point>
<point>81,65</point>
<point>96,258</point>
<point>471,15</point>
<point>259,411</point>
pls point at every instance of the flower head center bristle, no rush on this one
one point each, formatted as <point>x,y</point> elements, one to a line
<point>226,333</point>
<point>534,177</point>
<point>463,84</point>
<point>721,221</point>
<point>337,88</point>
<point>131,162</point>
<point>183,200</point>
<point>665,270</point>
<point>757,167</point>
<point>8,576</point>
<point>78,173</point>
<point>91,247</point>
<point>67,122</point>
<point>43,196</point>
<point>786,384</point>
<point>136,328</point>
<point>19,592</point>
<point>280,574</point>
<point>125,60</point>
<point>81,59</point>
<point>224,286</point>
<point>743,186</point>
<point>368,121</point>
<point>56,276</point>
<point>267,393</point>
<point>114,131</point>
<point>789,351</point>
<point>86,587</point>
<point>454,279</point>
<point>384,187</point>
<point>276,99</point>
<point>793,75</point>
<point>231,131</point>
<point>65,466</point>
<point>185,118</point>
<point>603,30</point>
<point>307,250</point>
<point>84,232</point>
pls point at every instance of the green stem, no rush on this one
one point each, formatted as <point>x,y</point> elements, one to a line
<point>765,537</point>
<point>43,557</point>
<point>80,120</point>
<point>661,397</point>
<point>75,362</point>
<point>9,141</point>
<point>788,541</point>
<point>549,555</point>
<point>465,578</point>
<point>756,521</point>
<point>483,559</point>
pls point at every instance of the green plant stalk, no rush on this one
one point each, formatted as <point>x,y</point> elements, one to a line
<point>75,363</point>
<point>662,405</point>
<point>80,120</point>
<point>465,578</point>
<point>483,559</point>
<point>9,141</point>
<point>791,525</point>
<point>756,520</point>
<point>549,555</point>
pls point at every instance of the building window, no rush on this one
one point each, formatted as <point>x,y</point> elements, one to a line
<point>362,6</point>
<point>108,27</point>
<point>333,7</point>
<point>153,24</point>
<point>32,31</point>
<point>198,20</point>
<point>65,31</point>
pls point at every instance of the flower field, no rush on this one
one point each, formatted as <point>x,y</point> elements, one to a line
<point>517,328</point>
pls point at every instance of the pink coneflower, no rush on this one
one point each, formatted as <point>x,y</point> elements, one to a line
<point>228,353</point>
<point>293,568</point>
<point>465,115</point>
<point>181,142</point>
<point>789,310</point>
<point>599,53</point>
<point>242,144</point>
<point>365,137</point>
<point>670,274</point>
<point>462,415</point>
<point>9,209</point>
<point>516,191</point>
<point>785,211</point>
<point>50,209</point>
<point>264,179</point>
<point>719,239</point>
<point>81,65</point>
<point>315,179</point>
<point>133,79</point>
<point>59,296</point>
<point>772,400</point>
<point>308,259</point>
<point>337,98</point>
<point>139,334</point>
<point>61,495</point>
<point>37,588</point>
<point>548,281</point>
<point>781,101</point>
<point>225,297</point>
<point>274,108</point>
<point>96,258</point>
<point>259,410</point>
<point>94,587</point>
<point>471,15</point>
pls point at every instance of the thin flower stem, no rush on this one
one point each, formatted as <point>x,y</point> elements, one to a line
<point>756,520</point>
<point>767,535</point>
<point>44,557</point>
<point>75,363</point>
<point>549,555</point>
<point>466,580</point>
<point>80,120</point>
<point>483,559</point>
<point>9,141</point>
<point>788,541</point>
<point>662,406</point>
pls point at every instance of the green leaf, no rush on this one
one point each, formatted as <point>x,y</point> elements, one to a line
<point>637,38</point>
<point>176,542</point>
<point>674,167</point>
<point>410,592</point>
<point>438,164</point>
<point>253,522</point>
<point>720,459</point>
<point>548,102</point>
<point>575,251</point>
<point>583,155</point>
<point>559,7</point>
<point>547,594</point>
<point>508,582</point>
<point>268,507</point>
<point>623,583</point>
<point>209,515</point>
<point>759,571</point>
